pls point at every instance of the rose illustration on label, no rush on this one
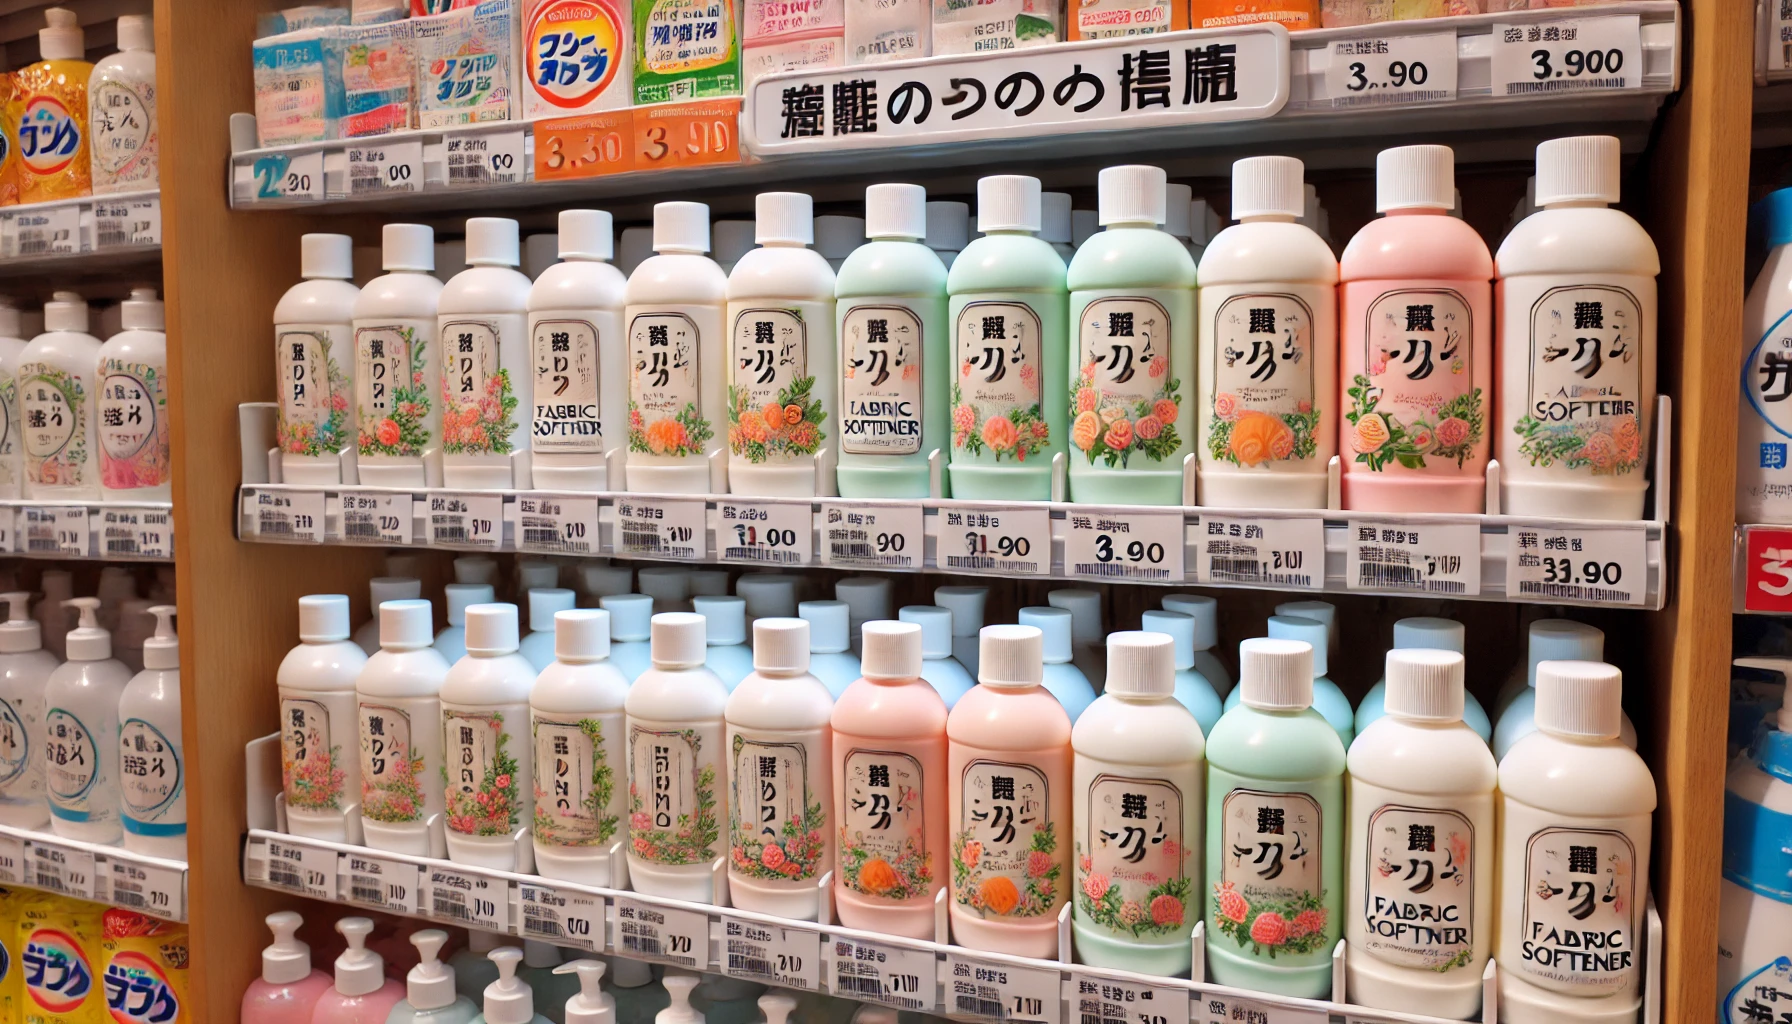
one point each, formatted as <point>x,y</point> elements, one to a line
<point>772,412</point>
<point>314,395</point>
<point>1263,408</point>
<point>1268,897</point>
<point>883,837</point>
<point>309,770</point>
<point>1004,857</point>
<point>391,770</point>
<point>774,823</point>
<point>663,388</point>
<point>995,394</point>
<point>54,404</point>
<point>1131,864</point>
<point>1585,382</point>
<point>674,821</point>
<point>1418,398</point>
<point>392,395</point>
<point>1124,399</point>
<point>480,774</point>
<point>574,784</point>
<point>133,425</point>
<point>478,403</point>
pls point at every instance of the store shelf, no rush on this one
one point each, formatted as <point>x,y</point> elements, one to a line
<point>94,872</point>
<point>96,234</point>
<point>103,531</point>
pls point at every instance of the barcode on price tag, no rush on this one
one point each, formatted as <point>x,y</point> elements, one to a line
<point>136,532</point>
<point>1267,552</point>
<point>376,517</point>
<point>557,524</point>
<point>873,536</point>
<point>9,531</point>
<point>787,957</point>
<point>385,167</point>
<point>1413,558</point>
<point>488,158</point>
<point>1223,1009</point>
<point>62,869</point>
<point>661,933</point>
<point>466,898</point>
<point>466,520</point>
<point>52,232</point>
<point>661,528</point>
<point>12,860</point>
<point>1567,55</point>
<point>394,886</point>
<point>148,889</point>
<point>128,222</point>
<point>882,972</point>
<point>286,515</point>
<point>1109,1001</point>
<point>306,870</point>
<point>1004,541</point>
<point>777,533</point>
<point>57,530</point>
<point>1000,991</point>
<point>1392,70</point>
<point>564,917</point>
<point>1116,545</point>
<point>1592,564</point>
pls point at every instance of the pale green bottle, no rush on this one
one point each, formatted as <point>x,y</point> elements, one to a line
<point>891,320</point>
<point>1132,311</point>
<point>1007,307</point>
<point>1275,830</point>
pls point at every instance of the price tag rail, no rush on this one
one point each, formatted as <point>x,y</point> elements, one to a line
<point>39,859</point>
<point>92,234</point>
<point>96,530</point>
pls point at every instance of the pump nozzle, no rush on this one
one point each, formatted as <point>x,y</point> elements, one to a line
<point>87,641</point>
<point>430,984</point>
<point>508,1000</point>
<point>359,970</point>
<point>287,960</point>
<point>592,1005</point>
<point>777,1007</point>
<point>20,632</point>
<point>681,1011</point>
<point>1782,666</point>
<point>162,651</point>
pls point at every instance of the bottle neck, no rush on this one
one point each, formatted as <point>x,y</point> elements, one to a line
<point>1009,233</point>
<point>675,250</point>
<point>1576,204</point>
<point>1417,211</point>
<point>782,243</point>
<point>892,238</point>
<point>1268,218</point>
<point>1134,225</point>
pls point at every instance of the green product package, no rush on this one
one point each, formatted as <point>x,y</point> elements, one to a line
<point>686,50</point>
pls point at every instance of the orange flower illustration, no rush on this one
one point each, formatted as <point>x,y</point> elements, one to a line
<point>793,414</point>
<point>999,894</point>
<point>877,876</point>
<point>999,433</point>
<point>1085,430</point>
<point>1257,436</point>
<point>1371,432</point>
<point>665,436</point>
<point>774,414</point>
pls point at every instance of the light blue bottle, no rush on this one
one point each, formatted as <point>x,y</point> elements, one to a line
<point>631,626</point>
<point>1088,640</point>
<point>668,585</point>
<point>1206,613</point>
<point>768,596</point>
<point>725,630</point>
<point>830,650</point>
<point>1425,632</point>
<point>1193,689</point>
<point>601,581</point>
<point>867,600</point>
<point>473,970</point>
<point>451,642</point>
<point>1551,640</point>
<point>966,606</point>
<point>945,674</point>
<point>1328,700</point>
<point>538,646</point>
<point>430,997</point>
<point>509,999</point>
<point>1063,679</point>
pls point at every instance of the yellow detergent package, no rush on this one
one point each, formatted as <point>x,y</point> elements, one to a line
<point>145,968</point>
<point>12,964</point>
<point>9,142</point>
<point>60,950</point>
<point>49,108</point>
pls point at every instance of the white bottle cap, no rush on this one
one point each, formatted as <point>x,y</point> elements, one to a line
<point>607,580</point>
<point>1423,631</point>
<point>475,569</point>
<point>1307,631</point>
<point>492,242</point>
<point>1054,216</point>
<point>1318,611</point>
<point>1084,607</point>
<point>866,597</point>
<point>896,211</point>
<point>460,596</point>
<point>66,311</point>
<point>359,970</point>
<point>1083,225</point>
<point>1010,657</point>
<point>287,960</point>
<point>706,582</point>
<point>1562,640</point>
<point>781,645</point>
<point>936,628</point>
<point>20,632</point>
<point>533,574</point>
<point>768,595</point>
<point>836,237</point>
<point>509,1000</point>
<point>323,618</point>
<point>430,984</point>
<point>1266,186</point>
<point>1425,685</point>
<point>678,640</point>
<point>1010,202</point>
<point>408,247</point>
<point>948,225</point>
<point>733,239</point>
<point>1206,613</point>
<point>679,985</point>
<point>1580,698</point>
<point>1054,625</point>
<point>136,32</point>
<point>587,235</point>
<point>681,227</point>
<point>1178,627</point>
<point>631,617</point>
<point>667,585</point>
<point>539,954</point>
<point>592,1005</point>
<point>777,1007</point>
<point>787,217</point>
<point>62,40</point>
<point>1141,663</point>
<point>892,650</point>
<point>491,630</point>
<point>544,603</point>
<point>1176,200</point>
<point>1131,194</point>
<point>322,257</point>
<point>1200,230</point>
<point>404,626</point>
<point>1415,178</point>
<point>724,620</point>
<point>635,245</point>
<point>1275,675</point>
<point>830,627</point>
<point>626,973</point>
<point>581,635</point>
<point>12,322</point>
<point>1580,169</point>
<point>966,606</point>
<point>381,589</point>
<point>142,311</point>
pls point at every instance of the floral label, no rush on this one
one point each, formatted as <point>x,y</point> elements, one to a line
<point>477,400</point>
<point>664,417</point>
<point>1268,896</point>
<point>133,427</point>
<point>313,391</point>
<point>566,407</point>
<point>1585,409</point>
<point>480,773</point>
<point>1769,985</point>
<point>995,397</point>
<point>391,395</point>
<point>774,819</point>
<point>391,766</point>
<point>124,132</point>
<point>71,764</point>
<point>1124,400</point>
<point>672,795</point>
<point>18,727</point>
<point>1263,396</point>
<point>1004,861</point>
<point>9,427</point>
<point>883,832</point>
<point>1131,858</point>
<point>308,756</point>
<point>53,409</point>
<point>574,782</point>
<point>1579,891</point>
<point>153,786</point>
<point>1418,399</point>
<point>773,415</point>
<point>880,387</point>
<point>1419,898</point>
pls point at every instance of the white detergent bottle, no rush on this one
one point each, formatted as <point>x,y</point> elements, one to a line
<point>1206,613</point>
<point>725,633</point>
<point>631,633</point>
<point>509,1000</point>
<point>320,773</point>
<point>133,404</point>
<point>80,730</point>
<point>398,364</point>
<point>152,766</point>
<point>576,715</point>
<point>1063,679</point>
<point>121,100</point>
<point>830,644</point>
<point>675,350</point>
<point>947,677</point>
<point>481,323</point>
<point>1193,690</point>
<point>430,997</point>
<point>1520,717</point>
<point>451,642</point>
<point>1425,633</point>
<point>12,453</point>
<point>1764,421</point>
<point>678,796</point>
<point>1754,932</point>
<point>314,362</point>
<point>580,383</point>
<point>485,742</point>
<point>25,668</point>
<point>592,1005</point>
<point>966,605</point>
<point>398,697</point>
<point>57,381</point>
<point>544,604</point>
<point>381,589</point>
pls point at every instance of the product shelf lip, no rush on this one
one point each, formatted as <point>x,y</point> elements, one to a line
<point>19,848</point>
<point>93,251</point>
<point>107,531</point>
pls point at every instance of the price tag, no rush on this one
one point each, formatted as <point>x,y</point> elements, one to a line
<point>687,134</point>
<point>385,167</point>
<point>62,869</point>
<point>57,530</point>
<point>286,515</point>
<point>136,532</point>
<point>466,898</point>
<point>1000,991</point>
<point>1005,541</point>
<point>584,147</point>
<point>12,860</point>
<point>873,536</point>
<point>376,517</point>
<point>1413,558</point>
<point>1113,545</point>
<point>285,176</point>
<point>1593,564</point>
<point>763,531</point>
<point>394,886</point>
<point>1224,1009</point>
<point>662,933</point>
<point>1102,1000</point>
<point>557,524</point>
<point>661,528</point>
<point>786,957</point>
<point>487,158</point>
<point>564,917</point>
<point>466,520</point>
<point>52,232</point>
<point>1567,55</point>
<point>9,533</point>
<point>1392,70</point>
<point>881,972</point>
<point>149,889</point>
<point>1281,553</point>
<point>306,870</point>
<point>124,223</point>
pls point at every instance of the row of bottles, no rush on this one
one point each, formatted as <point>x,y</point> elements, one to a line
<point>66,961</point>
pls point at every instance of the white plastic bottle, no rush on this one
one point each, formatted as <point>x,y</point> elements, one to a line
<point>678,796</point>
<point>580,383</point>
<point>1564,640</point>
<point>482,327</point>
<point>780,776</point>
<point>429,996</point>
<point>485,741</point>
<point>631,633</point>
<point>12,452</point>
<point>80,730</point>
<point>133,405</point>
<point>1088,636</point>
<point>152,766</point>
<point>675,348</point>
<point>121,112</point>
<point>679,985</point>
<point>319,770</point>
<point>592,1005</point>
<point>1419,914</point>
<point>576,715</point>
<point>24,669</point>
<point>398,698</point>
<point>1193,690</point>
<point>781,357</point>
<point>1575,292</point>
<point>381,589</point>
<point>57,381</point>
<point>544,604</point>
<point>314,362</point>
<point>509,1000</point>
<point>451,642</point>
<point>1754,934</point>
<point>1764,419</point>
<point>1574,859</point>
<point>398,365</point>
<point>1063,679</point>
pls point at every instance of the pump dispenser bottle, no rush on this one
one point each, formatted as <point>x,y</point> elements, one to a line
<point>544,603</point>
<point>485,721</point>
<point>321,775</point>
<point>576,714</point>
<point>152,765</point>
<point>939,668</point>
<point>25,668</point>
<point>830,649</point>
<point>482,327</point>
<point>314,362</point>
<point>451,642</point>
<point>398,693</point>
<point>1206,613</point>
<point>429,987</point>
<point>1425,633</point>
<point>133,404</point>
<point>362,993</point>
<point>508,1000</point>
<point>592,1005</point>
<point>288,989</point>
<point>579,397</point>
<point>398,364</point>
<point>12,346</point>
<point>679,985</point>
<point>1192,690</point>
<point>48,111</point>
<point>381,589</point>
<point>1062,678</point>
<point>81,720</point>
<point>56,380</point>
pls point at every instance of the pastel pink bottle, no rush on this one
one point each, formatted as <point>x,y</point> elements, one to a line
<point>1008,763</point>
<point>890,786</point>
<point>362,993</point>
<point>289,987</point>
<point>1416,325</point>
